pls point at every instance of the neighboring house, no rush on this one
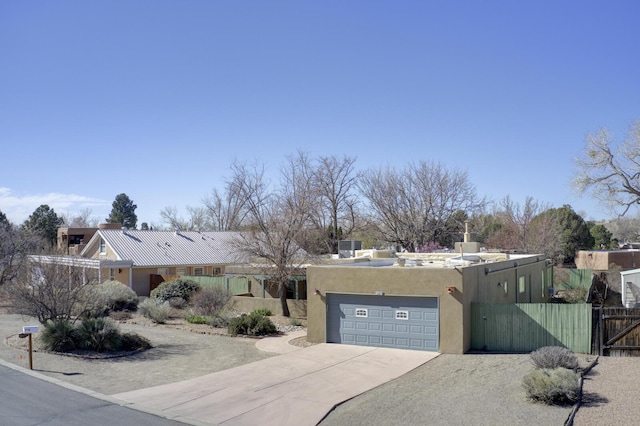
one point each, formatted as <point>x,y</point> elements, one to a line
<point>603,260</point>
<point>73,240</point>
<point>418,301</point>
<point>161,253</point>
<point>630,288</point>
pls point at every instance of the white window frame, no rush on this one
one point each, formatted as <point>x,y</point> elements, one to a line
<point>103,246</point>
<point>522,284</point>
<point>198,270</point>
<point>402,315</point>
<point>181,271</point>
<point>362,313</point>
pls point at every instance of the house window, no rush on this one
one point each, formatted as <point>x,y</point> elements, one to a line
<point>506,285</point>
<point>76,239</point>
<point>362,313</point>
<point>521,284</point>
<point>544,289</point>
<point>198,271</point>
<point>217,271</point>
<point>402,315</point>
<point>163,271</point>
<point>112,274</point>
<point>103,246</point>
<point>181,271</point>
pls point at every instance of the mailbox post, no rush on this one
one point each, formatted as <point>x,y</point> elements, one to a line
<point>27,331</point>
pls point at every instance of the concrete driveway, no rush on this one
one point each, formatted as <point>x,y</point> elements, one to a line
<point>296,388</point>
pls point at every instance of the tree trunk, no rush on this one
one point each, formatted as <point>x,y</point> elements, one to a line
<point>282,292</point>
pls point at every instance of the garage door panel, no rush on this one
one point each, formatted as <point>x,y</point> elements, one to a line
<point>390,321</point>
<point>375,313</point>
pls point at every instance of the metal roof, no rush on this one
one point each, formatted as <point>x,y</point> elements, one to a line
<point>168,248</point>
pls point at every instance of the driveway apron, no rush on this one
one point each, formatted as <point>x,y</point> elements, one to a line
<point>296,388</point>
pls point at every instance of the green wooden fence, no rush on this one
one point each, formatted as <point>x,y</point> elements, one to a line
<point>524,327</point>
<point>576,278</point>
<point>236,285</point>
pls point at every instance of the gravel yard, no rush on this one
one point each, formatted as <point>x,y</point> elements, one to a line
<point>176,355</point>
<point>472,389</point>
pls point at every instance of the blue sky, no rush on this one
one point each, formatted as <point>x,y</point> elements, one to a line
<point>156,98</point>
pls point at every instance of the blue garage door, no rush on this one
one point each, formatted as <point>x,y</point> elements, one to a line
<point>383,321</point>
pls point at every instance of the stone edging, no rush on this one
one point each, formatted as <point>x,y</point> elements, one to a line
<point>576,406</point>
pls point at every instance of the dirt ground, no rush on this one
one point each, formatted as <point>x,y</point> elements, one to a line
<point>472,389</point>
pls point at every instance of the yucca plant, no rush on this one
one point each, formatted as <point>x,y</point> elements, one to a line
<point>59,335</point>
<point>99,334</point>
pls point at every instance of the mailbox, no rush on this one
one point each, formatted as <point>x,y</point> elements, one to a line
<point>29,329</point>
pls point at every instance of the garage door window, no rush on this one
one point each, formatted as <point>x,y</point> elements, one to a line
<point>402,315</point>
<point>362,313</point>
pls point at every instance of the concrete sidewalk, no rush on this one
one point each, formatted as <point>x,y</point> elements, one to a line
<point>296,388</point>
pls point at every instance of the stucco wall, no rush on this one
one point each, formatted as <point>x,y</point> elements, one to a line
<point>603,260</point>
<point>297,308</point>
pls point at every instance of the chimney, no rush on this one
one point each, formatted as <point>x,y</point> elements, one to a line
<point>467,235</point>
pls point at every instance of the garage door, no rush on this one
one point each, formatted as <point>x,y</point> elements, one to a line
<point>384,321</point>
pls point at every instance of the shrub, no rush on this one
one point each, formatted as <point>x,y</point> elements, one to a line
<point>94,334</point>
<point>552,386</point>
<point>253,324</point>
<point>177,302</point>
<point>196,319</point>
<point>554,357</point>
<point>218,321</point>
<point>209,301</point>
<point>155,309</point>
<point>59,335</point>
<point>110,296</point>
<point>295,323</point>
<point>120,315</point>
<point>179,287</point>
<point>263,311</point>
<point>576,295</point>
<point>134,342</point>
<point>99,334</point>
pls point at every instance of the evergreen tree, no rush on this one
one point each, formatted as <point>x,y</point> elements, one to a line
<point>123,211</point>
<point>44,222</point>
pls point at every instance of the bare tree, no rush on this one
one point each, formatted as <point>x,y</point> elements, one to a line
<point>276,219</point>
<point>197,219</point>
<point>227,210</point>
<point>413,206</point>
<point>49,291</point>
<point>82,219</point>
<point>625,229</point>
<point>15,245</point>
<point>516,232</point>
<point>171,218</point>
<point>335,182</point>
<point>611,173</point>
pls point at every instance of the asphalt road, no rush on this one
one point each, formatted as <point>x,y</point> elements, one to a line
<point>26,400</point>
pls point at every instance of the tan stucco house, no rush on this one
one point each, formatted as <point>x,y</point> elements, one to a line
<point>417,301</point>
<point>603,260</point>
<point>161,253</point>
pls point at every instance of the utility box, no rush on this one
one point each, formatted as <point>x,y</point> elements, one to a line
<point>347,248</point>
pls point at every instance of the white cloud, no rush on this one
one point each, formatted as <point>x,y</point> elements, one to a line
<point>18,207</point>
